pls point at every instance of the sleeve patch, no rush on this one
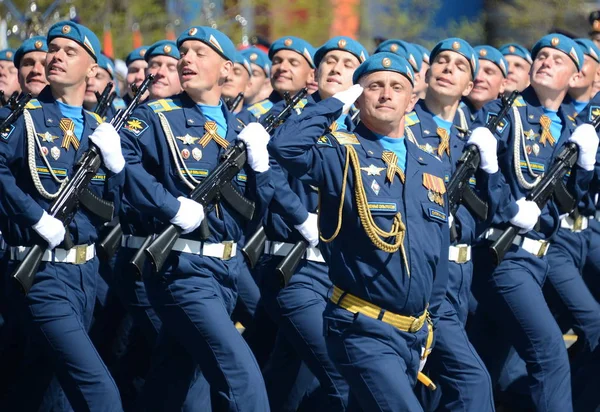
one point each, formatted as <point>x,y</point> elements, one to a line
<point>501,126</point>
<point>136,126</point>
<point>324,141</point>
<point>5,134</point>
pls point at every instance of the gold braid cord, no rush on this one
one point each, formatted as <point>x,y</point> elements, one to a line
<point>374,232</point>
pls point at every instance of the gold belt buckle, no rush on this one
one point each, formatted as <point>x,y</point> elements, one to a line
<point>416,325</point>
<point>462,254</point>
<point>543,248</point>
<point>578,224</point>
<point>228,249</point>
<point>80,254</point>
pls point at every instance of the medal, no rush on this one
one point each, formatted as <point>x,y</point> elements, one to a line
<point>375,187</point>
<point>44,150</point>
<point>536,149</point>
<point>185,153</point>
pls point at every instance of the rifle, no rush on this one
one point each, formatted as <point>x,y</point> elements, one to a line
<point>551,184</point>
<point>458,189</point>
<point>209,191</point>
<point>64,205</point>
<point>104,100</point>
<point>17,107</point>
<point>233,103</point>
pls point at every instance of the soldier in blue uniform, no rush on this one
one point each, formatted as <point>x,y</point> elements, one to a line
<point>411,53</point>
<point>30,59</point>
<point>489,83</point>
<point>162,58</point>
<point>377,320</point>
<point>237,80</point>
<point>170,145</point>
<point>436,127</point>
<point>9,82</point>
<point>519,65</point>
<point>104,75</point>
<point>136,71</point>
<point>37,154</point>
<point>301,303</point>
<point>258,90</point>
<point>512,309</point>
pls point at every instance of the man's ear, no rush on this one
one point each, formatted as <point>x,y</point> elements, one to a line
<point>414,98</point>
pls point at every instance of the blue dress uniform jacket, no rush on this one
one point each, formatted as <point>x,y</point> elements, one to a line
<point>361,268</point>
<point>146,150</point>
<point>22,201</point>
<point>535,157</point>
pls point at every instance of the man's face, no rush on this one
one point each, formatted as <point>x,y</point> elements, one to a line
<point>552,70</point>
<point>335,72</point>
<point>385,98</point>
<point>200,67</point>
<point>518,73</point>
<point>290,72</point>
<point>587,74</point>
<point>32,75</point>
<point>450,75</point>
<point>96,84</point>
<point>9,82</point>
<point>257,82</point>
<point>488,84</point>
<point>166,81</point>
<point>135,74</point>
<point>236,82</point>
<point>68,64</point>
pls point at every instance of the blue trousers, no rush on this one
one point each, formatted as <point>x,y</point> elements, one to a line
<point>300,340</point>
<point>58,311</point>
<point>463,383</point>
<point>379,362</point>
<point>510,296</point>
<point>194,297</point>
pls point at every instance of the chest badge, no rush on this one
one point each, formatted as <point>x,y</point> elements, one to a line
<point>530,134</point>
<point>185,153</point>
<point>197,154</point>
<point>436,188</point>
<point>55,153</point>
<point>373,170</point>
<point>187,139</point>
<point>375,187</point>
<point>47,137</point>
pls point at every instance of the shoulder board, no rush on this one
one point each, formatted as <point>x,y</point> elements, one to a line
<point>164,105</point>
<point>33,104</point>
<point>345,138</point>
<point>95,116</point>
<point>301,104</point>
<point>519,102</point>
<point>260,108</point>
<point>410,119</point>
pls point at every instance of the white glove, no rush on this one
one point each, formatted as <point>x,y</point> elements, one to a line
<point>423,359</point>
<point>586,138</point>
<point>310,229</point>
<point>189,216</point>
<point>487,145</point>
<point>450,220</point>
<point>527,216</point>
<point>109,142</point>
<point>51,229</point>
<point>349,96</point>
<point>256,139</point>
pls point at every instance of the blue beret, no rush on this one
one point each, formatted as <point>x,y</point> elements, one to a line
<point>260,58</point>
<point>218,41</point>
<point>105,63</point>
<point>404,49</point>
<point>241,59</point>
<point>493,54</point>
<point>37,43</point>
<point>461,47</point>
<point>589,47</point>
<point>296,44</point>
<point>162,48</point>
<point>514,49</point>
<point>385,61</point>
<point>7,55</point>
<point>342,43</point>
<point>78,33</point>
<point>424,52</point>
<point>562,43</point>
<point>136,54</point>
